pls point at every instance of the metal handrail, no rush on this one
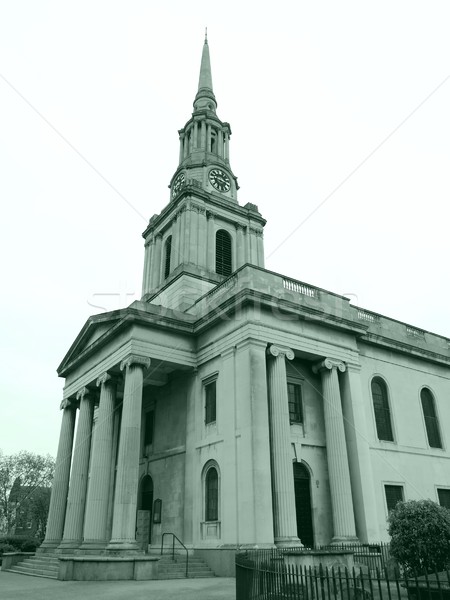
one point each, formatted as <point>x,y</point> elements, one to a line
<point>174,537</point>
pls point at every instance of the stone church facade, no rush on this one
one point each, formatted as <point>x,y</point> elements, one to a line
<point>234,406</point>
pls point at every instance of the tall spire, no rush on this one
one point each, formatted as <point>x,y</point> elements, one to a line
<point>205,92</point>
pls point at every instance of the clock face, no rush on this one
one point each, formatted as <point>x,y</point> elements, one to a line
<point>178,184</point>
<point>220,180</point>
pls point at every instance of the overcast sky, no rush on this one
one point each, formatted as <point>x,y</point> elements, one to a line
<point>341,107</point>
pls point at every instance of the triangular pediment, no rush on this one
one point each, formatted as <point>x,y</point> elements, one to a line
<point>95,328</point>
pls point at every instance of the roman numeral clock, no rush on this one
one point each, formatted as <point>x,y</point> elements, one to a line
<point>219,180</point>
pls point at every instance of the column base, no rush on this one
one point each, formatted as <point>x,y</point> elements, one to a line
<point>94,547</point>
<point>68,546</point>
<point>288,542</point>
<point>48,547</point>
<point>126,546</point>
<point>343,540</point>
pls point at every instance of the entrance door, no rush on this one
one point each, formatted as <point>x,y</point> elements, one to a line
<point>147,501</point>
<point>302,487</point>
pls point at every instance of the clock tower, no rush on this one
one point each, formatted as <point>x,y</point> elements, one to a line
<point>203,235</point>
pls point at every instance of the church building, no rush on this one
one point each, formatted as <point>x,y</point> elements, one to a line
<point>236,407</point>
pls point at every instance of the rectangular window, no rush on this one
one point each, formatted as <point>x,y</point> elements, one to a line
<point>444,497</point>
<point>394,494</point>
<point>295,402</point>
<point>210,402</point>
<point>149,427</point>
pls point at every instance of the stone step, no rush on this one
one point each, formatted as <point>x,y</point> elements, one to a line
<point>54,563</point>
<point>176,569</point>
<point>33,572</point>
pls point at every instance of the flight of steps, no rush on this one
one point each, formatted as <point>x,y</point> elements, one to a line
<point>176,569</point>
<point>41,565</point>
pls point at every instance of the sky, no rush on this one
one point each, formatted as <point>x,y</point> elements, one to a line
<point>340,135</point>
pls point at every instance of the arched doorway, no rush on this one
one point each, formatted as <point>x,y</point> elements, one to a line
<point>147,500</point>
<point>303,506</point>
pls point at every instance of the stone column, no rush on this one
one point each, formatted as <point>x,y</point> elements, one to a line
<point>192,247</point>
<point>181,148</point>
<point>338,470</point>
<point>252,448</point>
<point>220,143</point>
<point>58,499</point>
<point>123,535</point>
<point>202,239</point>
<point>285,520</point>
<point>240,247</point>
<point>95,523</point>
<point>203,136</point>
<point>227,146</point>
<point>147,266</point>
<point>260,247</point>
<point>211,243</point>
<point>156,262</point>
<point>358,450</point>
<point>76,500</point>
<point>195,129</point>
<point>208,138</point>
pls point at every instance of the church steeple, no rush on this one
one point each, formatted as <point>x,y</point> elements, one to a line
<point>204,143</point>
<point>202,235</point>
<point>205,95</point>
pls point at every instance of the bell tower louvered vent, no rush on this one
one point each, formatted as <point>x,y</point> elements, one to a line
<point>223,253</point>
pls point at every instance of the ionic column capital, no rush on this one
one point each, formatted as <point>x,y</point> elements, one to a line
<point>135,359</point>
<point>84,391</point>
<point>329,364</point>
<point>105,378</point>
<point>65,404</point>
<point>280,351</point>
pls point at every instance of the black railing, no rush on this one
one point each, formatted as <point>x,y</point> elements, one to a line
<point>275,575</point>
<point>174,537</point>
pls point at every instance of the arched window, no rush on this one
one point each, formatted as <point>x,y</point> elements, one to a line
<point>168,252</point>
<point>223,253</point>
<point>213,142</point>
<point>212,494</point>
<point>382,410</point>
<point>431,421</point>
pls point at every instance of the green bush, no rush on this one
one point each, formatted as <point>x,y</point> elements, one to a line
<point>6,548</point>
<point>20,543</point>
<point>420,536</point>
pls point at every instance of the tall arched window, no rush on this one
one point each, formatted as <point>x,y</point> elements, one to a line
<point>168,252</point>
<point>223,253</point>
<point>212,494</point>
<point>431,421</point>
<point>382,410</point>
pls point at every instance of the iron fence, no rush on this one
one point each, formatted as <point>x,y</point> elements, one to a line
<point>273,575</point>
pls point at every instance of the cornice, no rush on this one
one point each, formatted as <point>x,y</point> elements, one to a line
<point>211,202</point>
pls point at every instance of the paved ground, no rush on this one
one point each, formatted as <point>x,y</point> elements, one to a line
<point>24,587</point>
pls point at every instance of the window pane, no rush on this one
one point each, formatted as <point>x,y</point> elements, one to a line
<point>295,403</point>
<point>431,422</point>
<point>210,402</point>
<point>444,497</point>
<point>382,411</point>
<point>394,494</point>
<point>212,495</point>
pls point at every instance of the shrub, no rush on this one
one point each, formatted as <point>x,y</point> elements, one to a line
<point>420,536</point>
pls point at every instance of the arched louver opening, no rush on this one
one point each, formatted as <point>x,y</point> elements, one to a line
<point>211,495</point>
<point>168,252</point>
<point>223,253</point>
